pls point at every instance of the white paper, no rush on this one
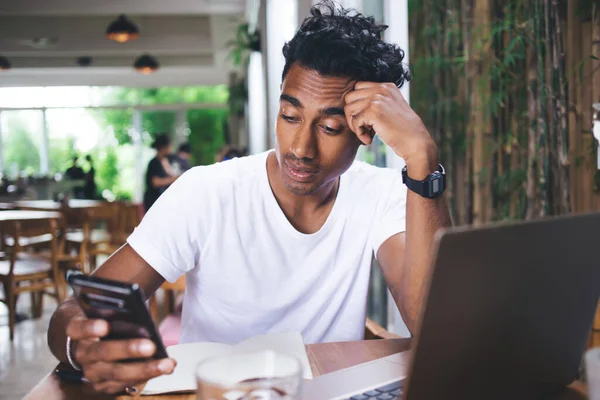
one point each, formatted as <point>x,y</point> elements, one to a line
<point>287,343</point>
<point>189,355</point>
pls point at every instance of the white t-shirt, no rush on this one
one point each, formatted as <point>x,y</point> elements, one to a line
<point>249,272</point>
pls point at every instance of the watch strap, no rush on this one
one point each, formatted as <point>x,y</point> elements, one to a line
<point>430,187</point>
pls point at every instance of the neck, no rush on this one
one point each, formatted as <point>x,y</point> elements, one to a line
<point>293,204</point>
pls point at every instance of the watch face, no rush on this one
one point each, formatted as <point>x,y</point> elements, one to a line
<point>435,185</point>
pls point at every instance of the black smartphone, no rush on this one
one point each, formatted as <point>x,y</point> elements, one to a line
<point>122,305</point>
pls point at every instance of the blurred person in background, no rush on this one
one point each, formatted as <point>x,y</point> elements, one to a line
<point>89,188</point>
<point>180,162</point>
<point>75,173</point>
<point>229,152</point>
<point>159,174</point>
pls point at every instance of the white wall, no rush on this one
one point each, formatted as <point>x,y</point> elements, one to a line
<point>282,19</point>
<point>396,17</point>
<point>257,105</point>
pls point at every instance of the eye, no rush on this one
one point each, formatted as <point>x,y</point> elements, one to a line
<point>288,118</point>
<point>331,131</point>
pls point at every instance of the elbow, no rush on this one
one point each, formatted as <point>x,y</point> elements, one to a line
<point>52,336</point>
<point>58,326</point>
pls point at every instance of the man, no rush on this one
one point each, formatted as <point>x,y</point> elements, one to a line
<point>283,241</point>
<point>76,173</point>
<point>89,189</point>
<point>180,162</point>
<point>159,174</point>
<point>229,152</point>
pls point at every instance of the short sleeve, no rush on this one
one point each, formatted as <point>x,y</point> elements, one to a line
<point>155,169</point>
<point>390,218</point>
<point>169,238</point>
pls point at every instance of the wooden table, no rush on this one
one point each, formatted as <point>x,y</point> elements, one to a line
<point>323,357</point>
<point>50,205</point>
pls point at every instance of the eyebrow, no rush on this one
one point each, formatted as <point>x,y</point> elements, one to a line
<point>296,103</point>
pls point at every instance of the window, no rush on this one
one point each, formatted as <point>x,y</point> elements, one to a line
<point>22,135</point>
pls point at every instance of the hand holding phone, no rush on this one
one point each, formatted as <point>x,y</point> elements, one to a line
<point>117,344</point>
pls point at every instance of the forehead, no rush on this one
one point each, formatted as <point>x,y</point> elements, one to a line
<point>314,89</point>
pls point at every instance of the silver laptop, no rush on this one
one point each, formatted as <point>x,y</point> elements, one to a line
<point>508,315</point>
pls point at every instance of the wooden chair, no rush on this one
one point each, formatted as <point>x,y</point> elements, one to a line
<point>96,233</point>
<point>108,228</point>
<point>41,241</point>
<point>171,289</point>
<point>130,216</point>
<point>33,273</point>
<point>73,255</point>
<point>375,331</point>
<point>372,329</point>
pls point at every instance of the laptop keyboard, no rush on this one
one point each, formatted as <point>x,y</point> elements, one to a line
<point>392,391</point>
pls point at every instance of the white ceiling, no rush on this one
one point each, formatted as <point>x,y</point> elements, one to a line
<point>44,38</point>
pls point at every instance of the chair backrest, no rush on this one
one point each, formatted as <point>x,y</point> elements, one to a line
<point>129,217</point>
<point>33,227</point>
<point>178,286</point>
<point>106,214</point>
<point>19,229</point>
<point>73,218</point>
<point>168,306</point>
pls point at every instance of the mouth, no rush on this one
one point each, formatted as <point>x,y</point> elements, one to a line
<point>298,173</point>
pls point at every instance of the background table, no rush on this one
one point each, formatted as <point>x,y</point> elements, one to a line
<point>26,215</point>
<point>51,205</point>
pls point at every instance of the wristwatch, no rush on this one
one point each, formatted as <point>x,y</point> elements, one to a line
<point>430,187</point>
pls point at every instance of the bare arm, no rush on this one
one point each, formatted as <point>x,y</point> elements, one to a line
<point>124,265</point>
<point>406,258</point>
<point>158,182</point>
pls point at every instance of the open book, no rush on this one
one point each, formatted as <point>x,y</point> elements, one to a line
<point>189,355</point>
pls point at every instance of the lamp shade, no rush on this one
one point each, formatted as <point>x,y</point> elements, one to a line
<point>4,64</point>
<point>122,30</point>
<point>146,64</point>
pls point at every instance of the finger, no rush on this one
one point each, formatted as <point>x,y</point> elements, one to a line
<point>114,350</point>
<point>129,372</point>
<point>358,94</point>
<point>367,89</point>
<point>379,86</point>
<point>114,387</point>
<point>109,387</point>
<point>79,329</point>
<point>353,109</point>
<point>364,130</point>
<point>360,85</point>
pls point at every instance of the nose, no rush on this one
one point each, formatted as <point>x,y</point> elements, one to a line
<point>304,145</point>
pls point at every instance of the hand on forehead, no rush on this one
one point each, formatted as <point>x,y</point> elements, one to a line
<point>313,90</point>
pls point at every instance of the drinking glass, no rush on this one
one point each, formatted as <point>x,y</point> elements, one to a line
<point>264,375</point>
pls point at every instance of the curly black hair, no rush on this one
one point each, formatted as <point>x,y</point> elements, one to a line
<point>340,42</point>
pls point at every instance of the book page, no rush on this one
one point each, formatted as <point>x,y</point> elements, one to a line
<point>289,343</point>
<point>188,356</point>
